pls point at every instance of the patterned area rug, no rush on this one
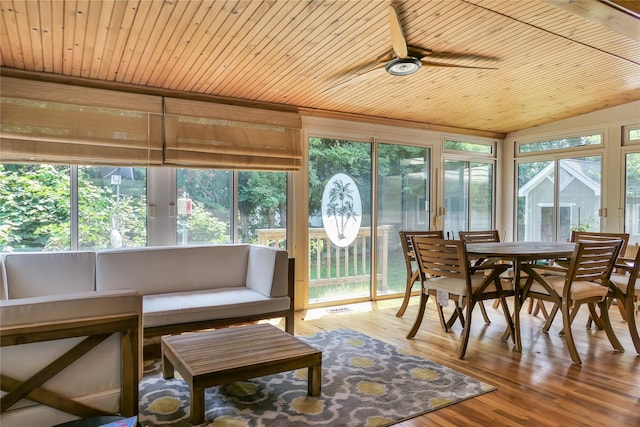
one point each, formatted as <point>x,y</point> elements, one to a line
<point>365,382</point>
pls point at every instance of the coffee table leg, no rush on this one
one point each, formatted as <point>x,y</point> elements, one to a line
<point>315,380</point>
<point>197,405</point>
<point>167,368</point>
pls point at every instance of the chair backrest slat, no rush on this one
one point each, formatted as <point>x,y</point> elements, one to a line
<point>594,261</point>
<point>441,257</point>
<point>407,244</point>
<point>480,236</point>
<point>596,236</point>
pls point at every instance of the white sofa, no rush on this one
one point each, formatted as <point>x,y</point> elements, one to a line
<point>184,288</point>
<point>177,289</point>
<point>187,288</point>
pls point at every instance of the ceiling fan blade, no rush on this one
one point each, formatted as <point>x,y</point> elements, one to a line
<point>454,55</point>
<point>398,42</point>
<point>439,64</point>
<point>358,77</point>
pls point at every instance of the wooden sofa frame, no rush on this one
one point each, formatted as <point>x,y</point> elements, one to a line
<point>96,330</point>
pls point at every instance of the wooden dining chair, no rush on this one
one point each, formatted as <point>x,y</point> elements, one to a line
<point>597,236</point>
<point>625,288</point>
<point>483,236</point>
<point>446,274</point>
<point>413,272</point>
<point>585,281</point>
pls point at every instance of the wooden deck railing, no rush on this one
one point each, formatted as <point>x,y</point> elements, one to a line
<point>334,265</point>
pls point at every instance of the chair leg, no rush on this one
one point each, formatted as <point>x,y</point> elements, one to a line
<point>487,321</point>
<point>466,331</point>
<point>622,309</point>
<point>416,325</point>
<point>549,321</point>
<point>568,335</point>
<point>594,317</point>
<point>508,319</point>
<point>537,306</point>
<point>606,323</point>
<point>407,293</point>
<point>458,314</point>
<point>631,321</point>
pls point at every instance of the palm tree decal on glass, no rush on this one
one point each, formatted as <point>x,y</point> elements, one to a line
<point>341,210</point>
<point>341,205</point>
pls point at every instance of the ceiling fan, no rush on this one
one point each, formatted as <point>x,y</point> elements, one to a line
<point>403,59</point>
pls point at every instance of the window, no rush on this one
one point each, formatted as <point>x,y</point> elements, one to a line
<point>471,147</point>
<point>35,207</point>
<point>49,207</point>
<point>632,197</point>
<point>112,207</point>
<point>560,143</point>
<point>556,197</point>
<point>631,135</point>
<point>207,199</point>
<point>203,206</point>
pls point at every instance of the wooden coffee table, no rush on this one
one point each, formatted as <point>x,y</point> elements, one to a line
<point>209,358</point>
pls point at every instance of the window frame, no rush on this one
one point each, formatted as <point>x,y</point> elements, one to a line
<point>555,156</point>
<point>626,135</point>
<point>560,151</point>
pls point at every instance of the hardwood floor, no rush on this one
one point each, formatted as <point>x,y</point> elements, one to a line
<point>538,387</point>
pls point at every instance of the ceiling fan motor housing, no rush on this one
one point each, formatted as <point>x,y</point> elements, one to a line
<point>403,66</point>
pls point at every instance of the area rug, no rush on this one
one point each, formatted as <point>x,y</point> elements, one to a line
<point>365,382</point>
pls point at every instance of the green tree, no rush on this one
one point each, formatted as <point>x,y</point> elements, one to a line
<point>34,204</point>
<point>329,156</point>
<point>262,202</point>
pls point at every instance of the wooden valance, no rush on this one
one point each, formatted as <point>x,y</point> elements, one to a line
<point>202,134</point>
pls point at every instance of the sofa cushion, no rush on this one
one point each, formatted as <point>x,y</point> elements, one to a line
<point>267,271</point>
<point>49,273</point>
<point>158,270</point>
<point>222,303</point>
<point>76,306</point>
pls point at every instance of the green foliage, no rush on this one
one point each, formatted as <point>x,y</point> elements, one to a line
<point>203,227</point>
<point>34,203</point>
<point>262,202</point>
<point>35,206</point>
<point>584,226</point>
<point>329,155</point>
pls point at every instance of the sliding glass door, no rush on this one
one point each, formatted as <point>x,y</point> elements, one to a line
<point>346,250</point>
<point>468,196</point>
<point>402,204</point>
<point>339,220</point>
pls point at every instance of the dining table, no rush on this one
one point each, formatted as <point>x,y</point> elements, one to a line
<point>518,253</point>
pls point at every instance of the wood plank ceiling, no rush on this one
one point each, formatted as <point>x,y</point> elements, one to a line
<point>550,62</point>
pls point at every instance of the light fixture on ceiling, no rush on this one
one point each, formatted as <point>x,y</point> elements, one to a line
<point>403,66</point>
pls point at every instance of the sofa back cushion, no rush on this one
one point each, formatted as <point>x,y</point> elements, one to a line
<point>268,271</point>
<point>49,273</point>
<point>155,270</point>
